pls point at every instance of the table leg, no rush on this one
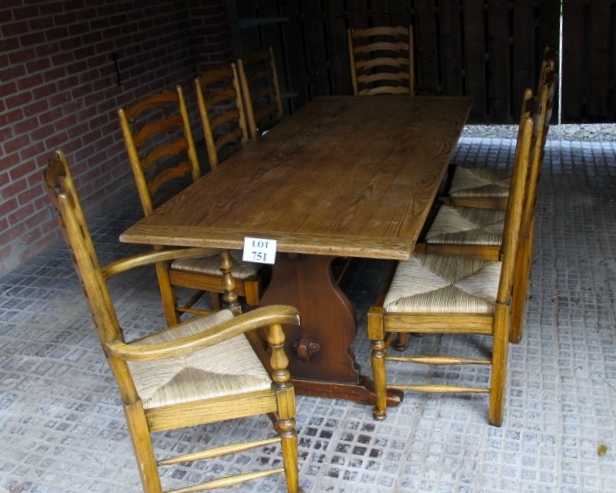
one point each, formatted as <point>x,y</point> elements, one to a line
<point>322,363</point>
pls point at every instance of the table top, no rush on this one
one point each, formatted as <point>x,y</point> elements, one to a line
<point>343,176</point>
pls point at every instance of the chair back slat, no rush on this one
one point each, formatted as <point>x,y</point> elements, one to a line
<point>261,91</point>
<point>221,108</point>
<point>382,60</point>
<point>160,146</point>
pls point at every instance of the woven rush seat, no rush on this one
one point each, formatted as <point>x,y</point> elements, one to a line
<point>211,265</point>
<point>447,284</point>
<point>480,182</point>
<point>467,226</point>
<point>229,368</point>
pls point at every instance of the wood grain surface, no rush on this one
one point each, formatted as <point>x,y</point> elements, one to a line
<point>344,175</point>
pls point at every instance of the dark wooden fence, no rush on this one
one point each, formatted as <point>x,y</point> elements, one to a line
<point>487,49</point>
<point>588,61</point>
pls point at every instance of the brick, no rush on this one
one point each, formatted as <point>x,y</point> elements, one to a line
<point>9,88</point>
<point>31,39</point>
<point>6,133</point>
<point>38,107</point>
<point>78,66</point>
<point>28,196</point>
<point>25,13</point>
<point>33,150</point>
<point>20,171</point>
<point>14,29</point>
<point>20,213</point>
<point>67,83</point>
<point>30,81</point>
<point>13,232</point>
<point>57,140</point>
<point>8,117</point>
<point>47,50</point>
<point>59,99</point>
<point>21,56</point>
<point>44,91</point>
<point>8,44</point>
<point>62,58</point>
<point>40,23</point>
<point>49,7</point>
<point>50,116</point>
<point>23,126</point>
<point>64,18</point>
<point>12,72</point>
<point>6,15</point>
<point>38,65</point>
<point>16,144</point>
<point>19,99</point>
<point>76,30</point>
<point>56,34</point>
<point>7,206</point>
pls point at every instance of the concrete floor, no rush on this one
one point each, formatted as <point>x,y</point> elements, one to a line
<point>62,429</point>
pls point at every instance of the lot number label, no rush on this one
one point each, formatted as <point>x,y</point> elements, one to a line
<point>259,250</point>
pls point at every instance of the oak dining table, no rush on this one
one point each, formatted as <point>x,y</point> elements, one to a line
<point>342,177</point>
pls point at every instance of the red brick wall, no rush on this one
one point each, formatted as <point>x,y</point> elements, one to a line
<point>58,88</point>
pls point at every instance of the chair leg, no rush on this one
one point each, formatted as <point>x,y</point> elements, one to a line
<point>521,286</point>
<point>499,366</point>
<point>401,341</point>
<point>216,300</point>
<point>379,375</point>
<point>252,291</point>
<point>290,457</point>
<point>376,334</point>
<point>167,294</point>
<point>142,446</point>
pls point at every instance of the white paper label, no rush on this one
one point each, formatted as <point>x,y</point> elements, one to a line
<point>259,250</point>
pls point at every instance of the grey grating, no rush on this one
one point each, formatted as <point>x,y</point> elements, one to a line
<point>62,429</point>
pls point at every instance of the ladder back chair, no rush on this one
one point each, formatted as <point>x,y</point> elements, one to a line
<point>382,60</point>
<point>489,187</point>
<point>161,150</point>
<point>221,108</point>
<point>478,232</point>
<point>445,295</point>
<point>261,91</point>
<point>198,372</point>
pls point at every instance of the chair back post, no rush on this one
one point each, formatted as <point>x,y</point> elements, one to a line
<point>513,218</point>
<point>411,62</point>
<point>64,198</point>
<point>352,62</point>
<point>195,171</point>
<point>276,81</point>
<point>548,63</point>
<point>536,161</point>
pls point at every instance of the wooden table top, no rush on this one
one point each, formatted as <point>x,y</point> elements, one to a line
<point>343,176</point>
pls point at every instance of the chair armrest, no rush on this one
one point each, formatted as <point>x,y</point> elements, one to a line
<point>153,257</point>
<point>260,317</point>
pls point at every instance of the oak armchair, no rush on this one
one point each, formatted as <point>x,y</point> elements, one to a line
<point>198,372</point>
